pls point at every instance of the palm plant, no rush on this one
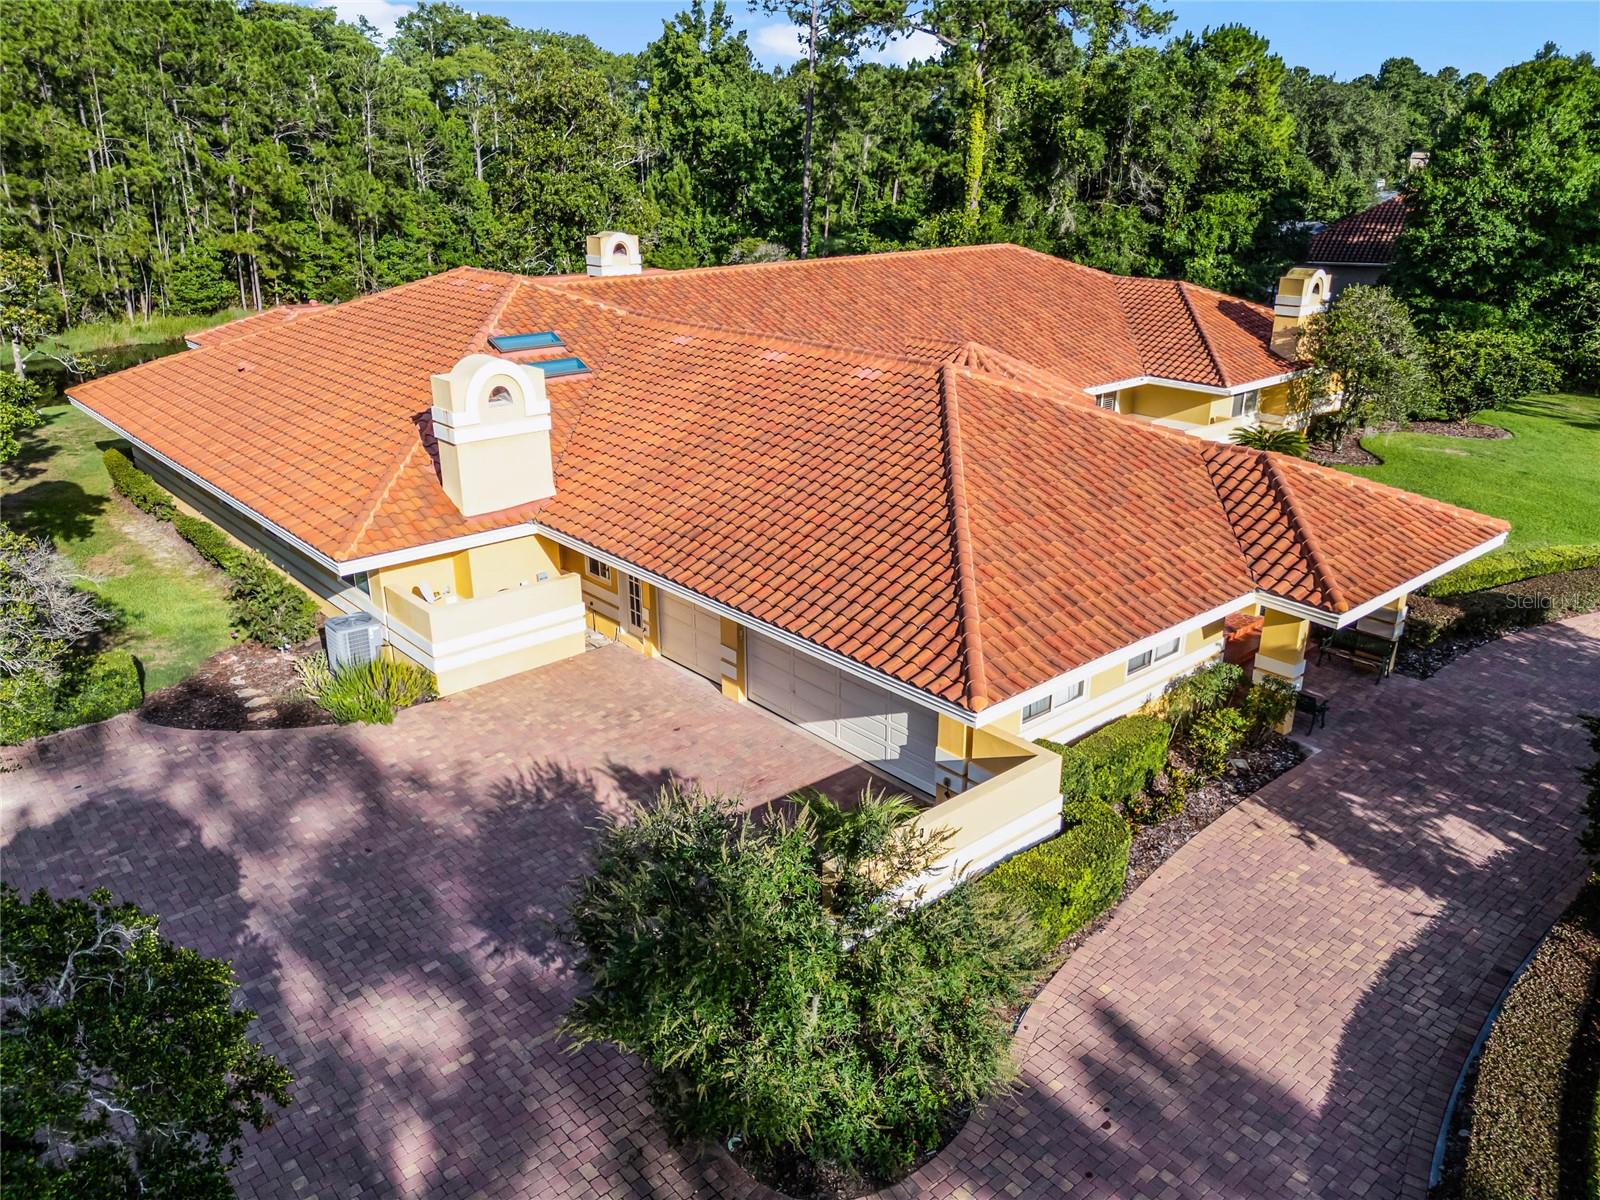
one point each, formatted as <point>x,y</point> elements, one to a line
<point>1278,441</point>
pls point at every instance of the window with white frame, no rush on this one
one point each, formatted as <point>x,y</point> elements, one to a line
<point>635,604</point>
<point>1044,704</point>
<point>1247,404</point>
<point>1107,401</point>
<point>1154,654</point>
<point>598,570</point>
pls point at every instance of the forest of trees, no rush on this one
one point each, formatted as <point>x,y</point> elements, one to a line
<point>186,155</point>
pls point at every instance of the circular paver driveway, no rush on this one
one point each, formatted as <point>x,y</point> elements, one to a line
<point>1279,1011</point>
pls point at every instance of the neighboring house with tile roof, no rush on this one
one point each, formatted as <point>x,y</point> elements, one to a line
<point>1360,248</point>
<point>884,497</point>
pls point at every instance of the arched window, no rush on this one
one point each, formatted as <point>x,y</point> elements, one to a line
<point>500,396</point>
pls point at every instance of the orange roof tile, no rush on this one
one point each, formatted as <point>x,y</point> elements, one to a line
<point>240,327</point>
<point>866,473</point>
<point>1367,237</point>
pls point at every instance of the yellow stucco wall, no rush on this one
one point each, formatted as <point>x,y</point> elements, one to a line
<point>1275,399</point>
<point>1173,404</point>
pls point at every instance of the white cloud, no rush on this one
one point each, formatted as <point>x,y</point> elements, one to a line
<point>381,13</point>
<point>786,43</point>
<point>913,46</point>
<point>781,43</point>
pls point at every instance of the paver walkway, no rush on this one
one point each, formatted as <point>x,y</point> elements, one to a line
<point>1280,1011</point>
<point>389,896</point>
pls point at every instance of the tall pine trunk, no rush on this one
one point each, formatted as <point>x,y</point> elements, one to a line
<point>805,144</point>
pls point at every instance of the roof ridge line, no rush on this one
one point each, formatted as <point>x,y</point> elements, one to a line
<point>1280,484</point>
<point>966,574</point>
<point>398,463</point>
<point>1194,319</point>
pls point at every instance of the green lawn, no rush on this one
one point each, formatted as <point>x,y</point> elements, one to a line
<point>1545,479</point>
<point>172,607</point>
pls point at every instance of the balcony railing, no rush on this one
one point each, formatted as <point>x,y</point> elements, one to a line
<point>454,632</point>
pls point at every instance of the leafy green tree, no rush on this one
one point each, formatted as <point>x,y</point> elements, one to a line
<point>1365,351</point>
<point>1505,229</point>
<point>19,412</point>
<point>1484,368</point>
<point>569,166</point>
<point>23,319</point>
<point>782,989</point>
<point>127,1067</point>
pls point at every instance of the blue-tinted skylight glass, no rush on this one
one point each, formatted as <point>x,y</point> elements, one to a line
<point>555,368</point>
<point>508,342</point>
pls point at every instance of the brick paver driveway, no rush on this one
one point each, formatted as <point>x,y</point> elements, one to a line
<point>1280,1011</point>
<point>389,897</point>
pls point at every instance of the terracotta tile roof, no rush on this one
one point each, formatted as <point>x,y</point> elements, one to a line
<point>1331,540</point>
<point>1193,334</point>
<point>945,510</point>
<point>240,327</point>
<point>1366,237</point>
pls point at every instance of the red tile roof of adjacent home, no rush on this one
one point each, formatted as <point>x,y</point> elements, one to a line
<point>938,502</point>
<point>1365,238</point>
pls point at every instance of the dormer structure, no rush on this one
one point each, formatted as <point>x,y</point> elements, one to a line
<point>613,253</point>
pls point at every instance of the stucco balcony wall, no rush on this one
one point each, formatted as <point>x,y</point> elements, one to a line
<point>473,640</point>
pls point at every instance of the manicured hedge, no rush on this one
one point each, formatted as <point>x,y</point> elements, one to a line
<point>93,688</point>
<point>1508,606</point>
<point>266,605</point>
<point>1116,762</point>
<point>1509,566</point>
<point>1533,1107</point>
<point>1074,877</point>
<point>138,488</point>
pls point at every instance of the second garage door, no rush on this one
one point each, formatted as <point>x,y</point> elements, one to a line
<point>873,724</point>
<point>691,636</point>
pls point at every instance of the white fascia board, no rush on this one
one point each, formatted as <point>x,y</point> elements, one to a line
<point>848,665</point>
<point>375,562</point>
<point>1368,607</point>
<point>1022,699</point>
<point>1186,386</point>
<point>277,531</point>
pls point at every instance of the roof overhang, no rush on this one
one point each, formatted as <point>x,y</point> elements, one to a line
<point>1339,620</point>
<point>210,489</point>
<point>1185,385</point>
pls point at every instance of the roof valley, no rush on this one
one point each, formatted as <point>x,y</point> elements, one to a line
<point>1319,562</point>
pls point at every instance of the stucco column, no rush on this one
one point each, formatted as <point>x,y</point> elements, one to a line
<point>1388,623</point>
<point>1282,654</point>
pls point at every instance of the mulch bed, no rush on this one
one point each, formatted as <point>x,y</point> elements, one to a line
<point>1353,454</point>
<point>1479,618</point>
<point>246,686</point>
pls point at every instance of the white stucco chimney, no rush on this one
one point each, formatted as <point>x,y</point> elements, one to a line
<point>613,253</point>
<point>492,424</point>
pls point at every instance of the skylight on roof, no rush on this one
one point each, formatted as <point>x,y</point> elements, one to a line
<point>555,368</point>
<point>508,342</point>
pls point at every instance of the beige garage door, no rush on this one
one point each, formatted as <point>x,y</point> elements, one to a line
<point>691,636</point>
<point>869,722</point>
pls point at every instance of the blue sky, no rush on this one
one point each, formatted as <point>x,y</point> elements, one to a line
<point>1339,37</point>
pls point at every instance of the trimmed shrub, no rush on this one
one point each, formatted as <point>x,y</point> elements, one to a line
<point>1116,762</point>
<point>1266,705</point>
<point>1511,566</point>
<point>370,693</point>
<point>1163,802</point>
<point>90,688</point>
<point>108,684</point>
<point>1508,606</point>
<point>1483,368</point>
<point>267,606</point>
<point>1216,737</point>
<point>1070,880</point>
<point>138,488</point>
<point>1199,692</point>
<point>209,542</point>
